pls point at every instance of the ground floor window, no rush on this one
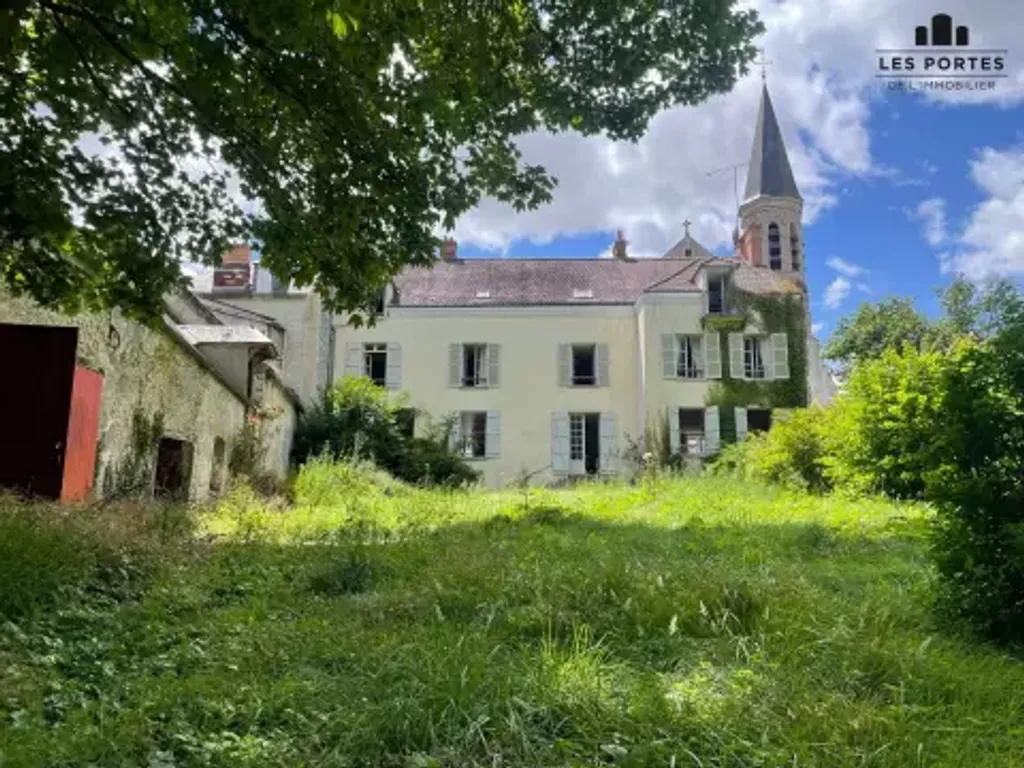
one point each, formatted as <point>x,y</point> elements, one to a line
<point>474,434</point>
<point>691,430</point>
<point>759,419</point>
<point>217,468</point>
<point>375,363</point>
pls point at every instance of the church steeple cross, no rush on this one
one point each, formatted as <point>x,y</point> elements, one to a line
<point>686,226</point>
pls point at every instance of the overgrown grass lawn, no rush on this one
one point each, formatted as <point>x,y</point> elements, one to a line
<point>695,622</point>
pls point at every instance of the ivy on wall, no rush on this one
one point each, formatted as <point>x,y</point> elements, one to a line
<point>132,476</point>
<point>772,314</point>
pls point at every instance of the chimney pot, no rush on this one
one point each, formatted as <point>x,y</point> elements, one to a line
<point>619,247</point>
<point>449,249</point>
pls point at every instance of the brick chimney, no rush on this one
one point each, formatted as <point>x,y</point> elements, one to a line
<point>449,249</point>
<point>619,246</point>
<point>233,276</point>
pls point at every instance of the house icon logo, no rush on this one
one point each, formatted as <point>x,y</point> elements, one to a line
<point>942,59</point>
<point>942,33</point>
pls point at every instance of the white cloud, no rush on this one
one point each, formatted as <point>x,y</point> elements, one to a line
<point>992,242</point>
<point>863,288</point>
<point>823,86</point>
<point>932,215</point>
<point>844,267</point>
<point>836,292</point>
<point>817,328</point>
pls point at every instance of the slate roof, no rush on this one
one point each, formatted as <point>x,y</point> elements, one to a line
<point>769,172</point>
<point>529,282</point>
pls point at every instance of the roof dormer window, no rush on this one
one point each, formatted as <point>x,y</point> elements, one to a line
<point>582,293</point>
<point>483,294</point>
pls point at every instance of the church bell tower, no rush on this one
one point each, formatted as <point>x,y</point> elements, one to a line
<point>770,232</point>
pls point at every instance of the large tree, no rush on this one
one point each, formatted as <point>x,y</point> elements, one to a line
<point>356,127</point>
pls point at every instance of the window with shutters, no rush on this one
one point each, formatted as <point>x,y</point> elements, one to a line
<point>774,247</point>
<point>380,302</point>
<point>473,429</point>
<point>753,359</point>
<point>375,363</point>
<point>691,431</point>
<point>584,365</point>
<point>759,419</point>
<point>474,365</point>
<point>688,364</point>
<point>716,295</point>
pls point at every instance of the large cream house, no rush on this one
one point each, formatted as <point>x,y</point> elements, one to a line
<point>551,367</point>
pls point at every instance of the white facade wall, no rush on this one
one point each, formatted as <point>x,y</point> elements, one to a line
<point>529,391</point>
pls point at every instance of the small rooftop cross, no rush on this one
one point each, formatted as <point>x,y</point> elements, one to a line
<point>763,63</point>
<point>686,226</point>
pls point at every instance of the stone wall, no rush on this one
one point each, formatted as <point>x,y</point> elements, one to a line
<point>149,378</point>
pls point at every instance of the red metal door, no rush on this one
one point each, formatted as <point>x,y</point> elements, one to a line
<point>83,435</point>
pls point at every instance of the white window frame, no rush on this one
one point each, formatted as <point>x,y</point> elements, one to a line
<point>468,421</point>
<point>371,348</point>
<point>753,353</point>
<point>480,378</point>
<point>689,357</point>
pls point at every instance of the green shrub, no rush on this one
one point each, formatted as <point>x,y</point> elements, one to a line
<point>792,453</point>
<point>978,487</point>
<point>881,436</point>
<point>358,420</point>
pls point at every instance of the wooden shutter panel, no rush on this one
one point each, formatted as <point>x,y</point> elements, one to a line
<point>668,355</point>
<point>712,356</point>
<point>609,454</point>
<point>454,365</point>
<point>736,356</point>
<point>560,443</point>
<point>780,356</point>
<point>711,429</point>
<point>492,443</point>
<point>601,364</point>
<point>494,365</point>
<point>354,359</point>
<point>672,414</point>
<point>393,374</point>
<point>564,365</point>
<point>741,423</point>
<point>455,434</point>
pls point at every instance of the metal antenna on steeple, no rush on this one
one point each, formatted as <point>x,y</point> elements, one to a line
<point>735,168</point>
<point>763,63</point>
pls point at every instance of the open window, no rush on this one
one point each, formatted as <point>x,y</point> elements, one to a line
<point>753,358</point>
<point>688,363</point>
<point>691,431</point>
<point>473,429</point>
<point>375,363</point>
<point>474,365</point>
<point>584,365</point>
<point>759,419</point>
<point>716,294</point>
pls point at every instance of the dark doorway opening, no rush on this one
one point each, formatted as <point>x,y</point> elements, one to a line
<point>592,443</point>
<point>35,387</point>
<point>759,420</point>
<point>173,469</point>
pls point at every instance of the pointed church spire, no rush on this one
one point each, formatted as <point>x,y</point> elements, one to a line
<point>769,172</point>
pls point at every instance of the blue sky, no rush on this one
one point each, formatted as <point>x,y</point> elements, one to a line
<point>901,190</point>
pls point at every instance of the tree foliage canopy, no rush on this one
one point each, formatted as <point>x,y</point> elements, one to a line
<point>357,127</point>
